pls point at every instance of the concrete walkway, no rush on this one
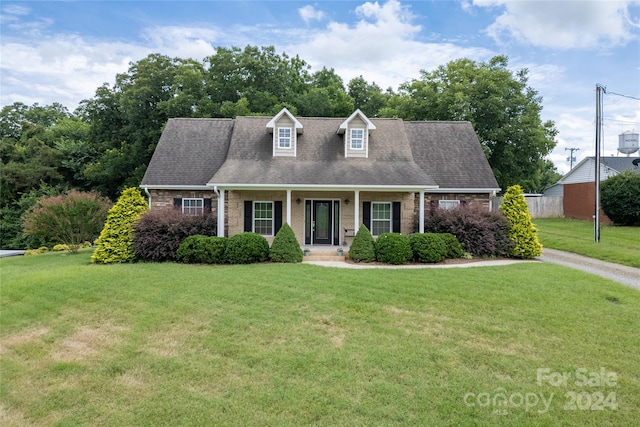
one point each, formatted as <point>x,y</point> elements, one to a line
<point>629,276</point>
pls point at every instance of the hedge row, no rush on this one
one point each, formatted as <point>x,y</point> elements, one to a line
<point>395,248</point>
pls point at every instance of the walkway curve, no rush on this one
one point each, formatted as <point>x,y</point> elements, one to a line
<point>628,276</point>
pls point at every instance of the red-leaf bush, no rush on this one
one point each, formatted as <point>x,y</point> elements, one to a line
<point>70,218</point>
<point>158,234</point>
<point>481,233</point>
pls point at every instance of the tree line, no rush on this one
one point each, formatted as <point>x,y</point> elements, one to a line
<point>107,142</point>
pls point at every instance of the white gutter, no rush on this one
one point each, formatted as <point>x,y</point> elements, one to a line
<point>322,187</point>
<point>177,187</point>
<point>146,190</point>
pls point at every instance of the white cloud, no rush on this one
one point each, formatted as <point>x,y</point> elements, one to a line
<point>14,9</point>
<point>381,46</point>
<point>309,13</point>
<point>183,42</point>
<point>562,24</point>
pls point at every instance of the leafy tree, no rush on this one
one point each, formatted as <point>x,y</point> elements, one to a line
<point>620,198</point>
<point>521,229</point>
<point>70,219</point>
<point>503,109</point>
<point>367,97</point>
<point>115,244</point>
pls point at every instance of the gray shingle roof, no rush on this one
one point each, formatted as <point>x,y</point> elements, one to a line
<point>320,157</point>
<point>189,152</point>
<point>239,151</point>
<point>620,164</point>
<point>451,153</point>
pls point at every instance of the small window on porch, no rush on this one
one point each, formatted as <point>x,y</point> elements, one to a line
<point>380,218</point>
<point>263,218</point>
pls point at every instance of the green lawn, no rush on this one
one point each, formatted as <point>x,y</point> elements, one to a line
<point>296,344</point>
<point>617,244</point>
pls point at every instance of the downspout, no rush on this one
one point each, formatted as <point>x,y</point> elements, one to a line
<point>146,191</point>
<point>220,196</point>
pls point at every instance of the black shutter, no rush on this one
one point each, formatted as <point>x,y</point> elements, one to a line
<point>366,215</point>
<point>395,217</point>
<point>177,203</point>
<point>277,216</point>
<point>248,215</point>
<point>207,206</point>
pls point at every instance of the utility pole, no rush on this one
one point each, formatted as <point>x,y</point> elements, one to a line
<point>571,157</point>
<point>596,226</point>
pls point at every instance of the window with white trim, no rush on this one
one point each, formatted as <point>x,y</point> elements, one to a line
<point>380,218</point>
<point>263,218</point>
<point>448,204</point>
<point>284,137</point>
<point>193,206</point>
<point>357,139</point>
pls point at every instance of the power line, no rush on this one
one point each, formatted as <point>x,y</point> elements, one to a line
<point>619,94</point>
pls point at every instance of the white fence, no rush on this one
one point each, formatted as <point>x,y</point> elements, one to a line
<point>539,207</point>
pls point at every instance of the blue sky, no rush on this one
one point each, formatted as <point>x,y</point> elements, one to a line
<point>61,51</point>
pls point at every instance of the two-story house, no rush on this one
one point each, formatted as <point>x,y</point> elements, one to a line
<point>322,176</point>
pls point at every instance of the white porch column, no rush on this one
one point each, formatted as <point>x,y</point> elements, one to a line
<point>356,211</point>
<point>221,212</point>
<point>421,215</point>
<point>289,207</point>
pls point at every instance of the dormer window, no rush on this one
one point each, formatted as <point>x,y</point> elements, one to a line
<point>285,129</point>
<point>356,130</point>
<point>284,137</point>
<point>357,139</point>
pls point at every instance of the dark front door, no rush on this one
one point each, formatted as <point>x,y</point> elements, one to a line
<point>322,222</point>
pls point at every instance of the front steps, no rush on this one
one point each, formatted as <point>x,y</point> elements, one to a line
<point>325,254</point>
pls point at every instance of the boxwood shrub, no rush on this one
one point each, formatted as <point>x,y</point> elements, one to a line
<point>454,248</point>
<point>428,247</point>
<point>246,248</point>
<point>393,248</point>
<point>199,249</point>
<point>285,246</point>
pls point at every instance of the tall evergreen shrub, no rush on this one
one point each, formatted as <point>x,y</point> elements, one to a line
<point>115,243</point>
<point>362,247</point>
<point>521,229</point>
<point>285,246</point>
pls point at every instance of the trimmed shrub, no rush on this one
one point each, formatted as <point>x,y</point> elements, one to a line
<point>285,246</point>
<point>40,250</point>
<point>393,248</point>
<point>428,247</point>
<point>522,232</point>
<point>620,198</point>
<point>246,248</point>
<point>362,248</point>
<point>454,248</point>
<point>158,233</point>
<point>115,243</point>
<point>69,218</point>
<point>61,248</point>
<point>199,249</point>
<point>481,233</point>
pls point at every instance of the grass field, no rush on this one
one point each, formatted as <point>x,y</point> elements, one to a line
<point>617,244</point>
<point>280,345</point>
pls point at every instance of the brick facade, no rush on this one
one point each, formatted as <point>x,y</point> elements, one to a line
<point>579,202</point>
